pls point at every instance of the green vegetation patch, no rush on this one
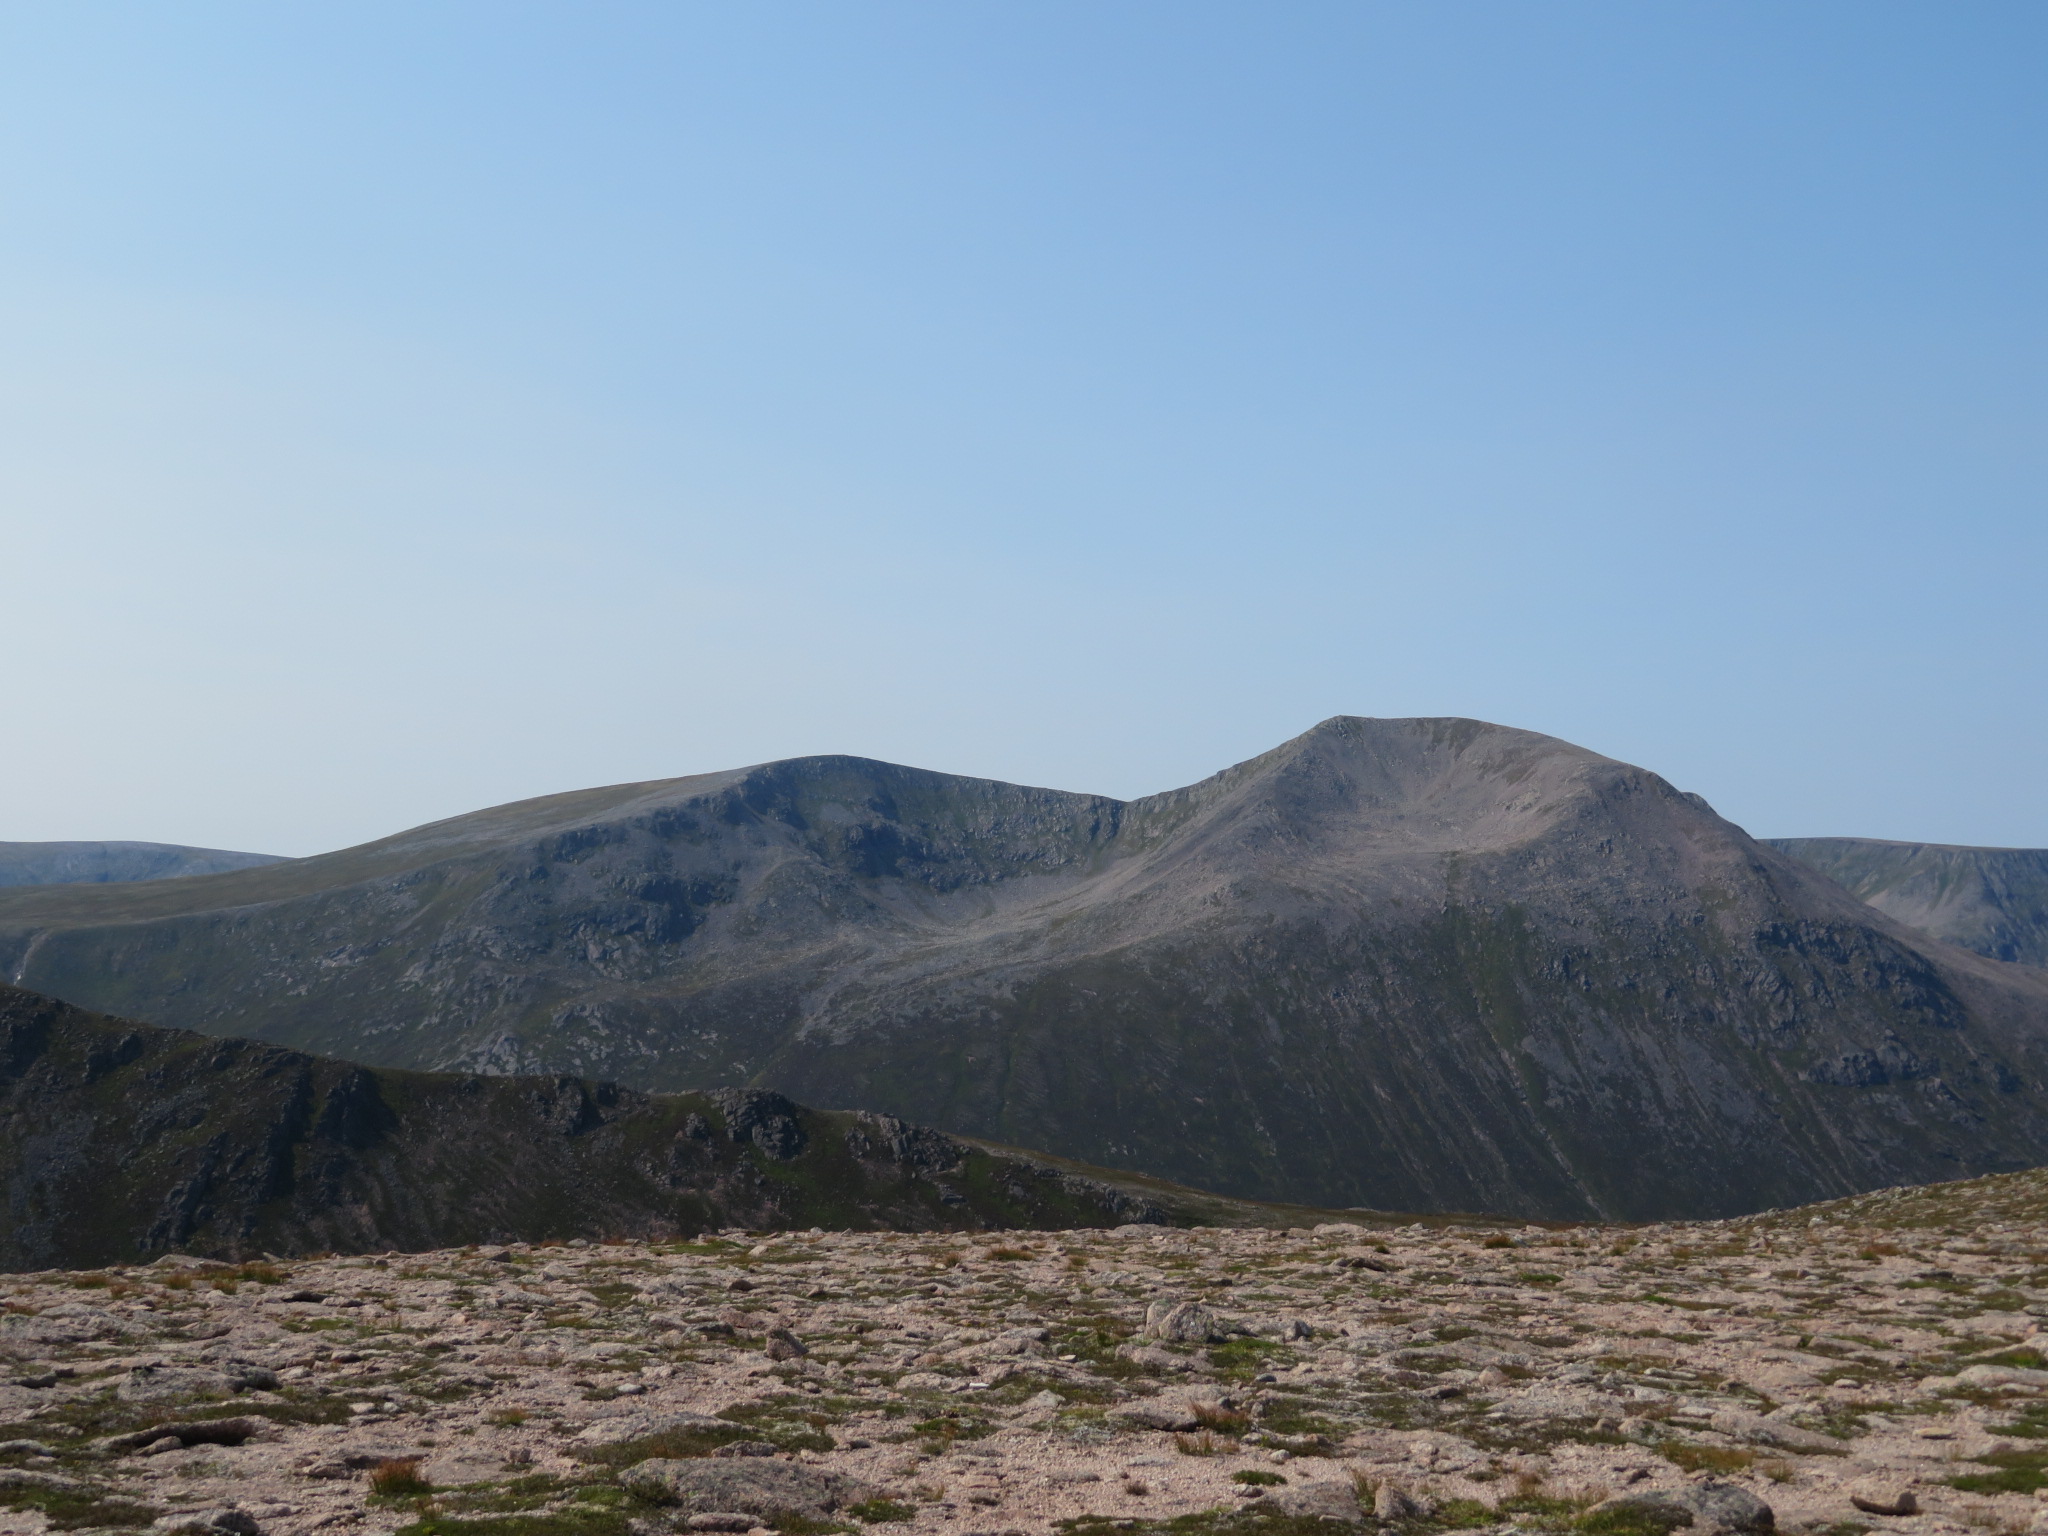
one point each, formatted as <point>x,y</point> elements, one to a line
<point>521,1493</point>
<point>1296,1416</point>
<point>570,1520</point>
<point>943,1429</point>
<point>1633,1520</point>
<point>2015,1471</point>
<point>881,1511</point>
<point>1707,1458</point>
<point>2032,1424</point>
<point>77,1509</point>
<point>1248,1357</point>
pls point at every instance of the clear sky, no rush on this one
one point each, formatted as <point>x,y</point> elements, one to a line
<point>407,407</point>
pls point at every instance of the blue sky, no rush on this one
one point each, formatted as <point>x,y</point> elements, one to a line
<point>405,408</point>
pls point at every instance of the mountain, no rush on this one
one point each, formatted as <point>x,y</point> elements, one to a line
<point>1409,964</point>
<point>105,863</point>
<point>121,1140</point>
<point>1991,900</point>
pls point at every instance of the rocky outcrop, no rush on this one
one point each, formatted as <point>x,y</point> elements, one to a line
<point>1405,964</point>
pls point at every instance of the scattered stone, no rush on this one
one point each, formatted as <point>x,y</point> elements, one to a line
<point>781,1344</point>
<point>228,1520</point>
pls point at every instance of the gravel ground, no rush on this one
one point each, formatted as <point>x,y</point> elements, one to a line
<point>1429,1378</point>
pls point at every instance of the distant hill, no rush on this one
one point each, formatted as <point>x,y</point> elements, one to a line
<point>119,1141</point>
<point>106,863</point>
<point>1991,900</point>
<point>1407,964</point>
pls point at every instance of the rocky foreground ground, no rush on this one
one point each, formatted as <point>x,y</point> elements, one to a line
<point>1870,1364</point>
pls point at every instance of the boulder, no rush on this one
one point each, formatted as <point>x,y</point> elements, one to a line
<point>1318,1501</point>
<point>1182,1322</point>
<point>226,1520</point>
<point>1390,1503</point>
<point>781,1344</point>
<point>1713,1505</point>
<point>1156,1413</point>
<point>1895,1504</point>
<point>2000,1376</point>
<point>1153,1358</point>
<point>1759,1430</point>
<point>197,1432</point>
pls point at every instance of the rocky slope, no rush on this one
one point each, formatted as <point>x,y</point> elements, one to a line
<point>1818,1373</point>
<point>1991,900</point>
<point>104,863</point>
<point>1406,964</point>
<point>119,1141</point>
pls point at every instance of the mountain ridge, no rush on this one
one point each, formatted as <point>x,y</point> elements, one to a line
<point>98,863</point>
<point>1993,901</point>
<point>1409,964</point>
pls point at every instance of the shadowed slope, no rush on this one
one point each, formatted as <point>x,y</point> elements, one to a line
<point>1410,964</point>
<point>121,1140</point>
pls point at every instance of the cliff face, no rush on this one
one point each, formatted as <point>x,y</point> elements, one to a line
<point>1411,964</point>
<point>1991,900</point>
<point>119,1141</point>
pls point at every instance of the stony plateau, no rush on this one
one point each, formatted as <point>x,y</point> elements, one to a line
<point>1404,964</point>
<point>1873,1364</point>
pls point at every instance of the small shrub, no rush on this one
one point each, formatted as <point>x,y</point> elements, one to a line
<point>1707,1458</point>
<point>399,1479</point>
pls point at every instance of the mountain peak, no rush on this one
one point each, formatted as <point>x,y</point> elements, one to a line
<point>1413,964</point>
